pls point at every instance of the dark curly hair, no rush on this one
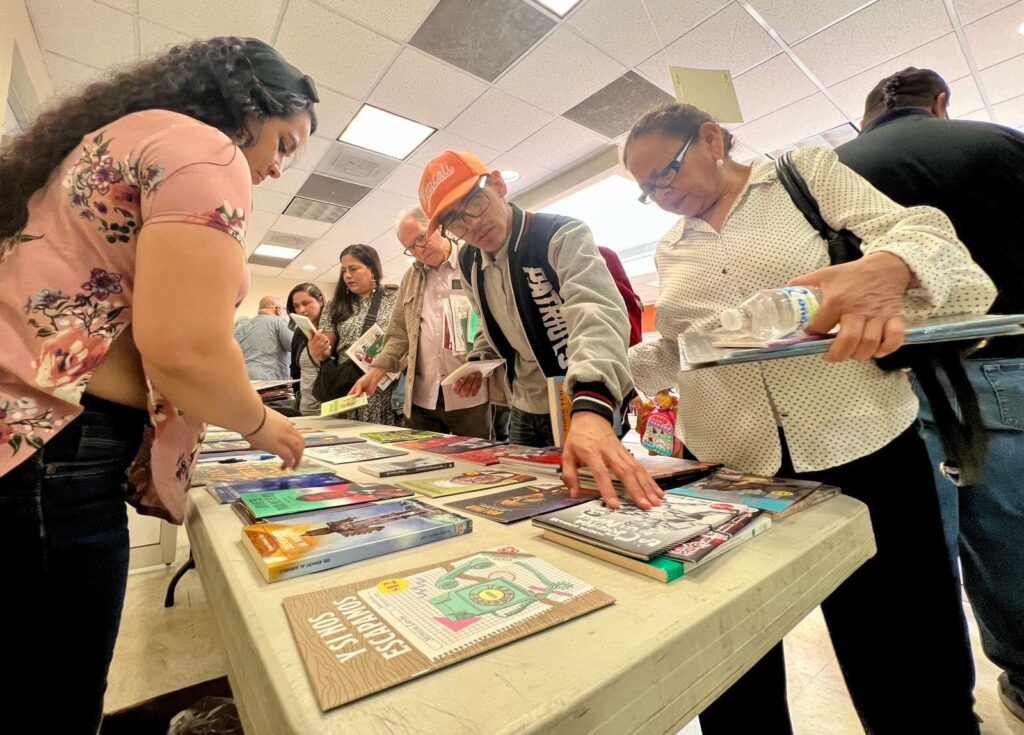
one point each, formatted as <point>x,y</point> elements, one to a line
<point>672,120</point>
<point>345,302</point>
<point>225,82</point>
<point>910,87</point>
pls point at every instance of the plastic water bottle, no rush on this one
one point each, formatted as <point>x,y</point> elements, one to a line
<point>775,313</point>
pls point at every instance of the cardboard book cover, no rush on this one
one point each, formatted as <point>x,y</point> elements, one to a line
<point>464,482</point>
<point>274,503</point>
<point>229,492</point>
<point>509,506</point>
<point>361,638</point>
<point>297,546</point>
<point>345,453</point>
<point>641,534</point>
<point>231,471</point>
<point>407,466</point>
<point>399,435</point>
<point>774,494</point>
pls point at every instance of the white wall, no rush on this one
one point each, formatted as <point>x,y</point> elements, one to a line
<point>273,286</point>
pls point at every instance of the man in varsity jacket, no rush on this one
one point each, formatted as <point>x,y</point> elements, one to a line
<point>549,308</point>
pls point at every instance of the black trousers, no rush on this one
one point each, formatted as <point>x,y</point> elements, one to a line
<point>897,623</point>
<point>475,421</point>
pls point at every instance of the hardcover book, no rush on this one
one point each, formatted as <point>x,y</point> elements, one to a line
<point>399,435</point>
<point>406,466</point>
<point>774,494</point>
<point>667,472</point>
<point>229,492</point>
<point>547,460</point>
<point>291,548</point>
<point>701,547</point>
<point>509,506</point>
<point>361,638</point>
<point>210,472</point>
<point>346,453</point>
<point>464,482</point>
<point>273,503</point>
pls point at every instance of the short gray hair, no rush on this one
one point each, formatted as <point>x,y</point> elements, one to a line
<point>414,212</point>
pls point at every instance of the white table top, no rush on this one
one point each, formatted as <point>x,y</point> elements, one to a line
<point>648,664</point>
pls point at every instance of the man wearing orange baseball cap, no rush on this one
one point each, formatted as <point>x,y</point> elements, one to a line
<point>549,308</point>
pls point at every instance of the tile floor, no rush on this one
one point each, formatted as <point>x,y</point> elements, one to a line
<point>163,649</point>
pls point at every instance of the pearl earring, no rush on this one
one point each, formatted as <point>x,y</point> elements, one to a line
<point>720,162</point>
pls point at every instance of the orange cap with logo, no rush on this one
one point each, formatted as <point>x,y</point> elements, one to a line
<point>447,179</point>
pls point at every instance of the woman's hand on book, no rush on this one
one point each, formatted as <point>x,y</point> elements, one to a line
<point>367,384</point>
<point>320,346</point>
<point>280,437</point>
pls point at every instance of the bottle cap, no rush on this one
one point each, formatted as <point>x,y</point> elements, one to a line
<point>732,319</point>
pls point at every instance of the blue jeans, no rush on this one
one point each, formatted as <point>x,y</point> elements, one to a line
<point>65,531</point>
<point>530,429</point>
<point>985,522</point>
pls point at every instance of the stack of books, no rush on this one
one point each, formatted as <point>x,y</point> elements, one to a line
<point>542,460</point>
<point>776,495</point>
<point>275,391</point>
<point>667,472</point>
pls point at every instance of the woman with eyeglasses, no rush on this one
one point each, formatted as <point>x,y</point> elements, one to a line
<point>839,420</point>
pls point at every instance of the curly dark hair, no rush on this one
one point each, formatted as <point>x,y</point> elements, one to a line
<point>225,82</point>
<point>673,120</point>
<point>345,302</point>
<point>910,87</point>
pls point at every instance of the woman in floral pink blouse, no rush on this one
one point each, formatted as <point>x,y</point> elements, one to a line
<point>122,225</point>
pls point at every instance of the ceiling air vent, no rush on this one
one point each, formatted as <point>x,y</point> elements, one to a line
<point>356,165</point>
<point>314,210</point>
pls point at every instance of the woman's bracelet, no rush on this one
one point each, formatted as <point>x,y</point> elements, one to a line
<point>262,422</point>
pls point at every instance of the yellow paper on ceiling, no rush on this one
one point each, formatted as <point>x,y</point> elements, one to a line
<point>709,89</point>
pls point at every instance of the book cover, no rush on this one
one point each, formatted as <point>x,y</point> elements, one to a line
<point>365,349</point>
<point>490,455</point>
<point>660,568</point>
<point>361,638</point>
<point>273,503</point>
<point>509,506</point>
<point>703,547</point>
<point>820,495</point>
<point>241,446</point>
<point>537,459</point>
<point>346,453</point>
<point>667,472</point>
<point>449,444</point>
<point>638,533</point>
<point>464,482</point>
<point>773,494</point>
<point>231,471</point>
<point>399,435</point>
<point>559,409</point>
<point>229,492</point>
<point>333,538</point>
<point>406,467</point>
<point>342,405</point>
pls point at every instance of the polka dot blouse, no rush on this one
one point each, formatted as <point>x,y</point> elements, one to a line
<point>831,413</point>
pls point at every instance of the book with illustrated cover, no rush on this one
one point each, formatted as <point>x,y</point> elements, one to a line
<point>365,349</point>
<point>343,405</point>
<point>361,638</point>
<point>464,482</point>
<point>774,494</point>
<point>449,444</point>
<point>509,506</point>
<point>290,548</point>
<point>346,453</point>
<point>823,493</point>
<point>488,456</point>
<point>229,492</point>
<point>231,471</point>
<point>638,533</point>
<point>399,435</point>
<point>256,507</point>
<point>241,446</point>
<point>702,547</point>
<point>406,466</point>
<point>667,472</point>
<point>547,460</point>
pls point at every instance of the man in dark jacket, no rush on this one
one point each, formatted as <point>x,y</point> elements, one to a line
<point>974,172</point>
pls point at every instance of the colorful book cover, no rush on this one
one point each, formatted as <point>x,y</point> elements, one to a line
<point>346,453</point>
<point>667,472</point>
<point>774,494</point>
<point>490,455</point>
<point>361,638</point>
<point>285,549</point>
<point>451,445</point>
<point>823,493</point>
<point>241,446</point>
<point>229,492</point>
<point>638,533</point>
<point>399,435</point>
<point>230,471</point>
<point>300,500</point>
<point>540,459</point>
<point>406,467</point>
<point>431,444</point>
<point>509,506</point>
<point>701,547</point>
<point>342,405</point>
<point>464,482</point>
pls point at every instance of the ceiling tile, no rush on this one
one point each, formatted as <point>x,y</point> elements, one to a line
<point>871,37</point>
<point>1010,112</point>
<point>445,140</point>
<point>311,154</point>
<point>499,120</point>
<point>543,78</point>
<point>972,10</point>
<point>265,200</point>
<point>205,19</point>
<point>367,221</point>
<point>66,75</point>
<point>259,225</point>
<point>799,120</point>
<point>482,37</point>
<point>300,226</point>
<point>559,144</point>
<point>964,96</point>
<point>334,112</point>
<point>154,39</point>
<point>979,115</point>
<point>994,38</point>
<point>128,6</point>
<point>336,52</point>
<point>389,248</point>
<point>330,276</point>
<point>771,86</point>
<point>355,164</point>
<point>405,181</point>
<point>730,39</point>
<point>423,89</point>
<point>613,110</point>
<point>1004,80</point>
<point>394,19</point>
<point>264,270</point>
<point>673,18</point>
<point>530,174</point>
<point>795,19</point>
<point>83,31</point>
<point>942,55</point>
<point>289,182</point>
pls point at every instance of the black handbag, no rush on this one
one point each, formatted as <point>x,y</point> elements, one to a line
<point>338,373</point>
<point>963,437</point>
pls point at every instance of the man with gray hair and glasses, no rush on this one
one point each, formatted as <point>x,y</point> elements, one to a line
<point>417,330</point>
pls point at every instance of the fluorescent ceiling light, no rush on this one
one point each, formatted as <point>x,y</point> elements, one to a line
<point>559,7</point>
<point>381,132</point>
<point>1020,29</point>
<point>617,220</point>
<point>510,176</point>
<point>276,251</point>
<point>309,267</point>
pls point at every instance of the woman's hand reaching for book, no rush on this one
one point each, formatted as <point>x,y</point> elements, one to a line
<point>279,436</point>
<point>592,443</point>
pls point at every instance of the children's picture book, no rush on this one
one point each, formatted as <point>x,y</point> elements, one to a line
<point>342,405</point>
<point>638,533</point>
<point>773,494</point>
<point>273,503</point>
<point>484,367</point>
<point>406,466</point>
<point>290,548</point>
<point>367,347</point>
<point>231,471</point>
<point>667,472</point>
<point>229,492</point>
<point>426,618</point>
<point>346,453</point>
<point>399,435</point>
<point>509,506</point>
<point>464,482</point>
<point>547,460</point>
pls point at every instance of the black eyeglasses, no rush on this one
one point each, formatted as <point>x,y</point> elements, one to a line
<point>668,174</point>
<point>474,204</point>
<point>418,245</point>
